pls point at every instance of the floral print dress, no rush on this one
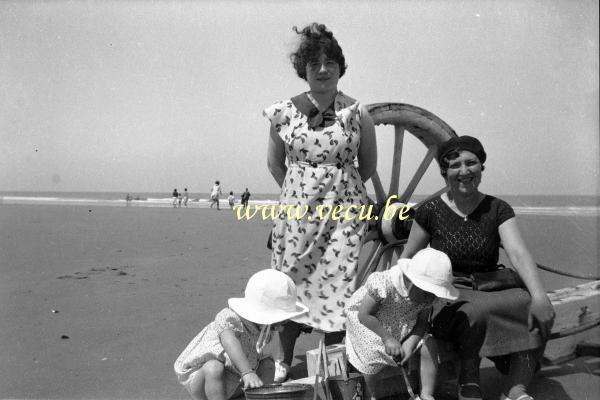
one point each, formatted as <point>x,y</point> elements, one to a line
<point>207,344</point>
<point>396,312</point>
<point>319,251</point>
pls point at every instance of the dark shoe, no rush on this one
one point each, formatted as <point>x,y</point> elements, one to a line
<point>469,391</point>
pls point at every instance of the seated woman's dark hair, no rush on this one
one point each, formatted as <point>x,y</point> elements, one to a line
<point>316,40</point>
<point>450,149</point>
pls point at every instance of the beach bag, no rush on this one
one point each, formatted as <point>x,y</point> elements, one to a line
<point>500,279</point>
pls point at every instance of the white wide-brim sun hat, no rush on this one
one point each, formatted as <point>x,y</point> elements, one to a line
<point>270,297</point>
<point>431,271</point>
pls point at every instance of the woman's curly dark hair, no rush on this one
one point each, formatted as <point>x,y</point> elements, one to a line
<point>316,40</point>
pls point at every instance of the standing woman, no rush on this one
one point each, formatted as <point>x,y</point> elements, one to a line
<point>510,326</point>
<point>328,140</point>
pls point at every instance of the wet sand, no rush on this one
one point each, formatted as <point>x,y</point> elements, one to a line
<point>97,302</point>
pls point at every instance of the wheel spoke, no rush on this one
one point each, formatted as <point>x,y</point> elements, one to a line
<point>398,251</point>
<point>412,185</point>
<point>379,192</point>
<point>366,269</point>
<point>430,130</point>
<point>386,260</point>
<point>398,143</point>
<point>431,196</point>
<point>371,235</point>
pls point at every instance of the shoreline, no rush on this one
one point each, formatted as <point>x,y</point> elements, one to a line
<point>259,203</point>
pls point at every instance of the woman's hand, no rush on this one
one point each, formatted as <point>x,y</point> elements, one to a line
<point>393,347</point>
<point>251,380</point>
<point>541,315</point>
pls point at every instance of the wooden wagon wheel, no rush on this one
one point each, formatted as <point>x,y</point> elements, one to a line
<point>431,131</point>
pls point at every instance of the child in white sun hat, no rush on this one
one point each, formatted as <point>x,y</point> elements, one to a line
<point>226,355</point>
<point>387,316</point>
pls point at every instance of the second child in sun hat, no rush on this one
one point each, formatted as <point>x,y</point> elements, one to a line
<point>225,357</point>
<point>387,316</point>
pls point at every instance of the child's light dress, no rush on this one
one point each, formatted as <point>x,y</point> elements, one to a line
<point>207,346</point>
<point>396,312</point>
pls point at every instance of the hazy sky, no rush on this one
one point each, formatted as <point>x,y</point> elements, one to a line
<point>137,96</point>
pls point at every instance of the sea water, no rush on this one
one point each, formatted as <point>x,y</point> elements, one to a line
<point>523,204</point>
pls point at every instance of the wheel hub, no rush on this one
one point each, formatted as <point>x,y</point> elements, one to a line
<point>394,220</point>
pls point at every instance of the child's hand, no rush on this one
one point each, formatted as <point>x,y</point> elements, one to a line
<point>393,347</point>
<point>251,380</point>
<point>408,350</point>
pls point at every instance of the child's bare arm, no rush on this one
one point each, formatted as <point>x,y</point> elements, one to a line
<point>233,348</point>
<point>411,342</point>
<point>366,315</point>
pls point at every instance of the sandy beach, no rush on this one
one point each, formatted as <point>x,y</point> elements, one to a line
<point>97,302</point>
<point>129,286</point>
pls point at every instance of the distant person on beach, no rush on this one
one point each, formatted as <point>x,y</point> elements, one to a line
<point>321,133</point>
<point>215,193</point>
<point>175,197</point>
<point>245,197</point>
<point>226,356</point>
<point>179,199</point>
<point>509,323</point>
<point>231,200</point>
<point>387,317</point>
<point>128,199</point>
<point>186,197</point>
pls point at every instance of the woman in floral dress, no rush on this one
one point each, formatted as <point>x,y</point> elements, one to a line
<point>328,141</point>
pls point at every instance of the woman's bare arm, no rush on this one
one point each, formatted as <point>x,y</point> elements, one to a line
<point>276,156</point>
<point>541,311</point>
<point>367,151</point>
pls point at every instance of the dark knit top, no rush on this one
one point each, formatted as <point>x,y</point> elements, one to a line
<point>472,245</point>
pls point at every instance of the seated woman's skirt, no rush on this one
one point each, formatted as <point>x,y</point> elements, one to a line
<point>487,324</point>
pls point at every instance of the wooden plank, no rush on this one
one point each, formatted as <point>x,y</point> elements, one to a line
<point>336,354</point>
<point>588,349</point>
<point>575,307</point>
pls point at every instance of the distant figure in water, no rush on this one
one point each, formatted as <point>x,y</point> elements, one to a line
<point>175,197</point>
<point>231,200</point>
<point>186,197</point>
<point>128,198</point>
<point>215,193</point>
<point>245,197</point>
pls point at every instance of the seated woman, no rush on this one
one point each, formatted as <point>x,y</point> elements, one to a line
<point>509,326</point>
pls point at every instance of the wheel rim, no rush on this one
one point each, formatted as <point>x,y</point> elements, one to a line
<point>431,131</point>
